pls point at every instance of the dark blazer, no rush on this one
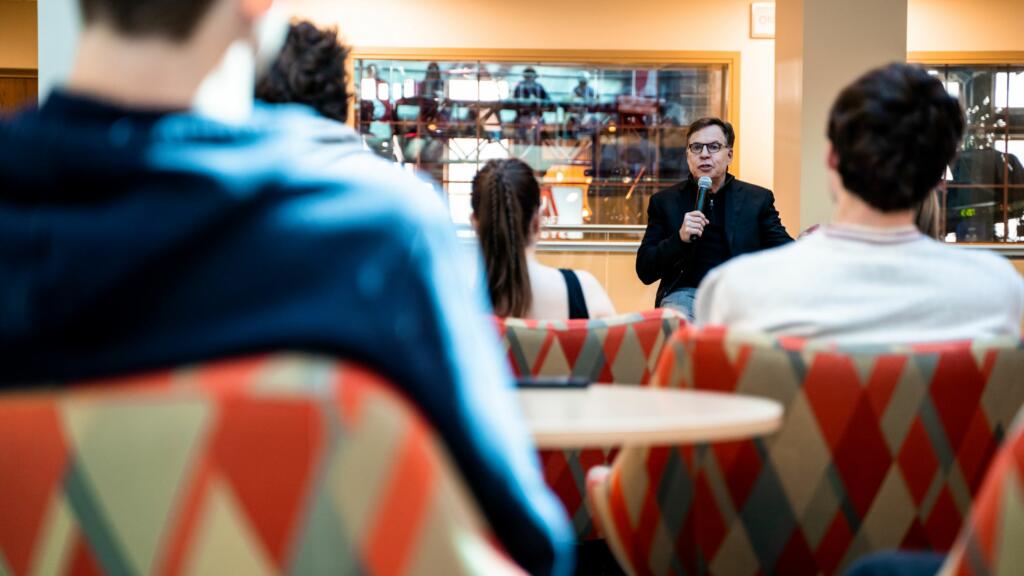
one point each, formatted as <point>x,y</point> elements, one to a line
<point>751,224</point>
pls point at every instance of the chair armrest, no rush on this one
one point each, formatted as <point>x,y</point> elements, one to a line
<point>599,491</point>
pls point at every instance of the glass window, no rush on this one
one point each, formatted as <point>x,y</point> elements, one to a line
<point>983,200</point>
<point>601,138</point>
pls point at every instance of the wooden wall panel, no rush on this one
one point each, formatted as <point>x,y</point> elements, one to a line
<point>17,92</point>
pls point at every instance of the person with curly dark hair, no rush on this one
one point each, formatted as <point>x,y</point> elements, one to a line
<point>870,276</point>
<point>310,70</point>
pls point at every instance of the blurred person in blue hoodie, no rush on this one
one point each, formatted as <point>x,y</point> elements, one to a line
<point>137,233</point>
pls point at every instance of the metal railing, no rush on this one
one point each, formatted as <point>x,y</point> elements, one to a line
<point>1012,251</point>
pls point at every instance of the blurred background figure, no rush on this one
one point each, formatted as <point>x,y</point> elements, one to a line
<point>310,70</point>
<point>579,117</point>
<point>583,91</point>
<point>529,88</point>
<point>973,210</point>
<point>375,104</point>
<point>531,100</point>
<point>432,85</point>
<point>425,145</point>
<point>506,203</point>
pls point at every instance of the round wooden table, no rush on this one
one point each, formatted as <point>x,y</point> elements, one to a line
<point>610,415</point>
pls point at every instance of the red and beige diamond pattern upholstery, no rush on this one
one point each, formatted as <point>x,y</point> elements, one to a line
<point>991,542</point>
<point>621,349</point>
<point>880,448</point>
<point>268,465</point>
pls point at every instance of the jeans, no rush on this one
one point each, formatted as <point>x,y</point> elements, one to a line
<point>680,299</point>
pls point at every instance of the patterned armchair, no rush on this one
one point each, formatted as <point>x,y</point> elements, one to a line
<point>879,448</point>
<point>622,349</point>
<point>269,465</point>
<point>992,539</point>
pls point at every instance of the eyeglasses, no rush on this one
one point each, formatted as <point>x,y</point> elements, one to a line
<point>713,147</point>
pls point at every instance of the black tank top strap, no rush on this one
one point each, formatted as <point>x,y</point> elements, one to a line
<point>577,303</point>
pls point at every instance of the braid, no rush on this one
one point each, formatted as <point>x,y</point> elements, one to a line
<point>511,221</point>
<point>520,293</point>
<point>494,190</point>
<point>497,272</point>
<point>502,236</point>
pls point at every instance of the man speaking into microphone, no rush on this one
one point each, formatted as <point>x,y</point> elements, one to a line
<point>684,240</point>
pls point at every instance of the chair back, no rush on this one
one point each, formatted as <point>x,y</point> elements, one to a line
<point>880,447</point>
<point>991,542</point>
<point>266,465</point>
<point>621,349</point>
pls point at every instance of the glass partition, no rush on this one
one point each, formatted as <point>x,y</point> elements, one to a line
<point>983,196</point>
<point>602,138</point>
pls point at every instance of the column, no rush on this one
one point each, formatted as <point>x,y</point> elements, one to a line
<point>820,47</point>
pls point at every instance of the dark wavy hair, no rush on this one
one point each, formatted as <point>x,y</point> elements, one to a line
<point>707,122</point>
<point>894,130</point>
<point>505,198</point>
<point>174,19</point>
<point>310,70</point>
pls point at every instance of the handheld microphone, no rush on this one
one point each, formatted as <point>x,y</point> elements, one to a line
<point>703,186</point>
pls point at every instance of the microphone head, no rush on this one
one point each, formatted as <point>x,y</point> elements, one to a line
<point>703,187</point>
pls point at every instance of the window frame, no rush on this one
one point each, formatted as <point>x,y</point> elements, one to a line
<point>596,57</point>
<point>978,58</point>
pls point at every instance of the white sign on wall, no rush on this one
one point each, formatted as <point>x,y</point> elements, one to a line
<point>762,20</point>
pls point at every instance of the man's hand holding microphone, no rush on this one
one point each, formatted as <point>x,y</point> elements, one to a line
<point>695,221</point>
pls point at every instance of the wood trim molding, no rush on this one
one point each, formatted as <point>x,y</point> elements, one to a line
<point>1009,57</point>
<point>555,55</point>
<point>18,73</point>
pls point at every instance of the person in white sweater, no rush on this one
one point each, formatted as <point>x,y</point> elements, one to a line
<point>870,276</point>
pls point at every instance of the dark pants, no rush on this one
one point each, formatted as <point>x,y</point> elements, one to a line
<point>594,558</point>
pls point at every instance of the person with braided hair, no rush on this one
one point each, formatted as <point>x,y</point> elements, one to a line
<point>870,276</point>
<point>506,215</point>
